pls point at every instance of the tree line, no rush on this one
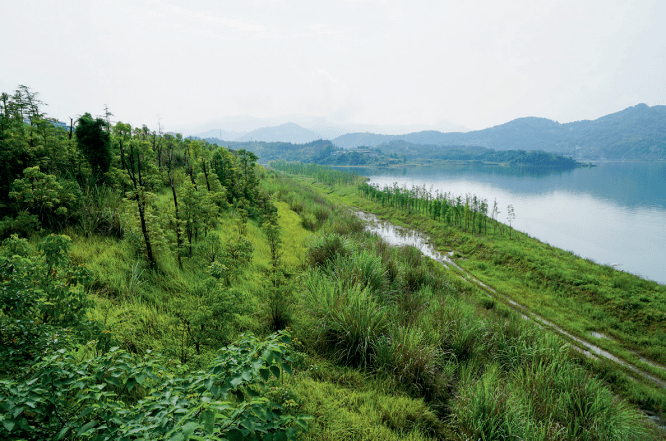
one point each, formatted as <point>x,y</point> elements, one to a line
<point>91,173</point>
<point>470,213</point>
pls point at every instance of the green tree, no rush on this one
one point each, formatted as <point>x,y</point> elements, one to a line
<point>94,141</point>
<point>136,158</point>
<point>42,197</point>
<point>232,261</point>
<point>246,163</point>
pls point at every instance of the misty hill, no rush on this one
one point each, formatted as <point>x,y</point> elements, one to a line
<point>288,132</point>
<point>638,132</point>
<point>273,151</point>
<point>218,133</point>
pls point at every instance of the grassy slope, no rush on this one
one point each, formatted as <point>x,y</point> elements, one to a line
<point>576,294</point>
<point>140,309</point>
<point>136,307</point>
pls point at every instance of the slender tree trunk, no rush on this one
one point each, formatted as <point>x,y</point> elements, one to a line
<point>144,230</point>
<point>179,241</point>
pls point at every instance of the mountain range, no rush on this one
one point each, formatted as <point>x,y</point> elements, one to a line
<point>242,128</point>
<point>636,133</point>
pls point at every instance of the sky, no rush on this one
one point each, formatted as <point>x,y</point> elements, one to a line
<point>476,63</point>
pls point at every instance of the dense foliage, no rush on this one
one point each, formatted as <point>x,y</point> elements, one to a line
<point>165,197</point>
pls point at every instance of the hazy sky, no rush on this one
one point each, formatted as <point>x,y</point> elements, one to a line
<point>474,63</point>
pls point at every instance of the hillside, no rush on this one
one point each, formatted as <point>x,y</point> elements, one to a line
<point>155,287</point>
<point>288,132</point>
<point>392,154</point>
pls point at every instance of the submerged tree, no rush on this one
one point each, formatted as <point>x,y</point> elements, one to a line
<point>510,216</point>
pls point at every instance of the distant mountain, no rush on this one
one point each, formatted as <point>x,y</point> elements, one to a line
<point>220,134</point>
<point>322,126</point>
<point>288,132</point>
<point>638,132</point>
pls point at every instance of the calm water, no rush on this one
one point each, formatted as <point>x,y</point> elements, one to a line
<point>612,213</point>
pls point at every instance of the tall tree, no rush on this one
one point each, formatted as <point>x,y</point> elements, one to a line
<point>94,141</point>
<point>135,156</point>
<point>246,162</point>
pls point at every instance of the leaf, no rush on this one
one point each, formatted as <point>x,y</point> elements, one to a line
<point>9,425</point>
<point>265,373</point>
<point>235,435</point>
<point>216,391</point>
<point>252,393</point>
<point>259,412</point>
<point>140,378</point>
<point>236,381</point>
<point>248,424</point>
<point>292,434</point>
<point>131,383</point>
<point>239,395</point>
<point>285,339</point>
<point>286,368</point>
<point>62,433</point>
<point>188,429</point>
<point>275,370</point>
<point>207,418</point>
<point>247,374</point>
<point>208,383</point>
<point>301,423</point>
<point>177,436</point>
<point>280,436</point>
<point>86,427</point>
<point>268,355</point>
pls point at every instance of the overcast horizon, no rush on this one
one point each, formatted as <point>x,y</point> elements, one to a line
<point>475,64</point>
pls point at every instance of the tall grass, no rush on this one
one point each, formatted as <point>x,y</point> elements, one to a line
<point>349,318</point>
<point>405,354</point>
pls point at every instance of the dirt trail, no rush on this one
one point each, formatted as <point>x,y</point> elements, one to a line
<point>396,235</point>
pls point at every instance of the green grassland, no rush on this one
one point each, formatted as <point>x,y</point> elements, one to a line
<point>577,294</point>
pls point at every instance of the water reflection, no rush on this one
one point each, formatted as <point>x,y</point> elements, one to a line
<point>627,184</point>
<point>613,213</point>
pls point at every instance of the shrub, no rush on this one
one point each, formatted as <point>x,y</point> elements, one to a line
<point>361,268</point>
<point>405,355</point>
<point>347,224</point>
<point>225,402</point>
<point>309,221</point>
<point>349,318</point>
<point>324,248</point>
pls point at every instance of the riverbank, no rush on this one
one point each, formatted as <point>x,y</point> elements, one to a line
<point>578,295</point>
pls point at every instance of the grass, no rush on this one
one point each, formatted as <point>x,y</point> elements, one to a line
<point>390,345</point>
<point>349,414</point>
<point>476,332</point>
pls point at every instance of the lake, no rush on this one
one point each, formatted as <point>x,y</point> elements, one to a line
<point>614,213</point>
